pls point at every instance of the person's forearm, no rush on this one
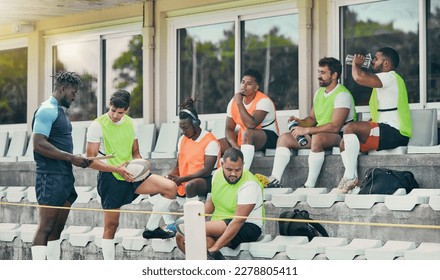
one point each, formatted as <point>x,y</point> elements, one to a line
<point>231,231</point>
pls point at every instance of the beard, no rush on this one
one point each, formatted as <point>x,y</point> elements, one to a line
<point>232,179</point>
<point>64,102</point>
<point>323,83</point>
<point>377,69</point>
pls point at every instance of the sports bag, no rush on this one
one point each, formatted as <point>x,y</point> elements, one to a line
<point>300,228</point>
<point>386,181</point>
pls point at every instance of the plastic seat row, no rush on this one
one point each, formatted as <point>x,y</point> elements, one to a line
<point>320,198</point>
<point>293,247</point>
<point>280,197</point>
<point>336,248</point>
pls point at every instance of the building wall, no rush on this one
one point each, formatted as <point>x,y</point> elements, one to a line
<point>156,71</point>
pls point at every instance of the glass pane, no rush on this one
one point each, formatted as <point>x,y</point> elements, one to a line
<point>82,58</point>
<point>270,45</point>
<point>368,27</point>
<point>433,48</point>
<point>206,66</point>
<point>123,70</point>
<point>13,86</point>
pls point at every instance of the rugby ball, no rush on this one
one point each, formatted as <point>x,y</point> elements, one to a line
<point>139,168</point>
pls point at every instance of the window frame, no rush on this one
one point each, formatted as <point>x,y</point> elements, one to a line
<point>335,39</point>
<point>98,35</point>
<point>207,18</point>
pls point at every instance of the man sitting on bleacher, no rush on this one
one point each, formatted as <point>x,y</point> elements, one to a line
<point>235,192</point>
<point>198,155</point>
<point>333,107</point>
<point>390,125</point>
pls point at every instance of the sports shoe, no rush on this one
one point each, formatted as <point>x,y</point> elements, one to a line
<point>157,233</point>
<point>274,183</point>
<point>346,185</point>
<point>170,228</point>
<point>217,255</point>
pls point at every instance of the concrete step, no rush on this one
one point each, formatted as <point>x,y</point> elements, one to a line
<point>9,231</point>
<point>269,249</point>
<point>316,246</point>
<point>229,252</point>
<point>366,201</point>
<point>356,248</point>
<point>409,201</point>
<point>425,251</point>
<point>291,199</point>
<point>390,250</point>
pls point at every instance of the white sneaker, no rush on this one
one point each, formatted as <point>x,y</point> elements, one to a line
<point>346,185</point>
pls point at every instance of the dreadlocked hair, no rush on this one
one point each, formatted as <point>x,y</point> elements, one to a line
<point>66,78</point>
<point>188,104</point>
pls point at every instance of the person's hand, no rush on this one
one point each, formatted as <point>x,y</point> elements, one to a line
<point>358,59</point>
<point>238,97</point>
<point>299,131</point>
<point>80,161</point>
<point>293,118</point>
<point>121,170</point>
<point>176,179</point>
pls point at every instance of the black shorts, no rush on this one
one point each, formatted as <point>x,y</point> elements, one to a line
<point>55,189</point>
<point>115,193</point>
<point>271,142</point>
<point>208,181</point>
<point>249,232</point>
<point>390,137</point>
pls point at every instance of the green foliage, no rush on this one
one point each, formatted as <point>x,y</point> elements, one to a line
<point>13,86</point>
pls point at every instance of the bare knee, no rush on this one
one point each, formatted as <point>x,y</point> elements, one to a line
<point>317,145</point>
<point>169,190</point>
<point>349,128</point>
<point>247,136</point>
<point>110,229</point>
<point>284,140</point>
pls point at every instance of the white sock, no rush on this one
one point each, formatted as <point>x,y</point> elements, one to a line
<point>315,164</point>
<point>162,204</point>
<point>196,198</point>
<point>54,249</point>
<point>352,147</point>
<point>108,249</point>
<point>39,252</point>
<point>168,219</point>
<point>281,159</point>
<point>248,155</point>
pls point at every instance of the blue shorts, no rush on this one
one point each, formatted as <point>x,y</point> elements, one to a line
<point>249,232</point>
<point>115,193</point>
<point>55,189</point>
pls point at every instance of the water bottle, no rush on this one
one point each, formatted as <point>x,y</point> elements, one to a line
<point>366,64</point>
<point>300,138</point>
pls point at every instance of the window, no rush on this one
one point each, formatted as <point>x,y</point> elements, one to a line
<point>105,62</point>
<point>211,55</point>
<point>13,85</point>
<point>367,27</point>
<point>433,51</point>
<point>123,69</point>
<point>270,45</point>
<point>82,58</point>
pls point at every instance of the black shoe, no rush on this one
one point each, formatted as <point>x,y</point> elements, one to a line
<point>217,255</point>
<point>274,184</point>
<point>158,233</point>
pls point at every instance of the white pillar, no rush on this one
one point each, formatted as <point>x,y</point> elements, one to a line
<point>195,231</point>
